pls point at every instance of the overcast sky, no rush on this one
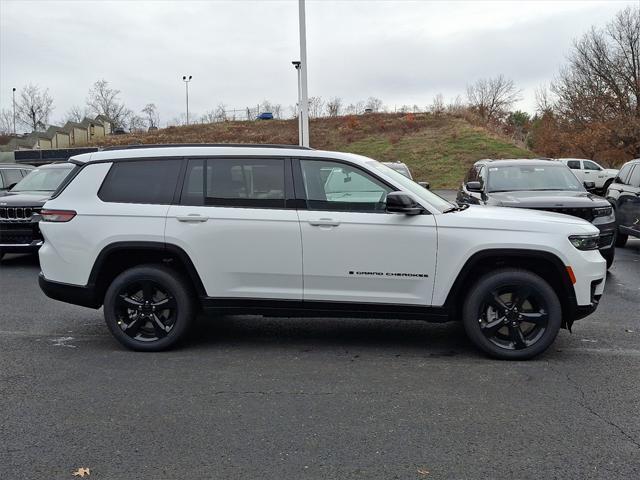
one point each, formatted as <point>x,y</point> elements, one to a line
<point>239,52</point>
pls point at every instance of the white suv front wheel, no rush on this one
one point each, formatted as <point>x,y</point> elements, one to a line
<point>148,308</point>
<point>512,314</point>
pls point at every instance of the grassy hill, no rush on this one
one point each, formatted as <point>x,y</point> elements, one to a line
<point>438,149</point>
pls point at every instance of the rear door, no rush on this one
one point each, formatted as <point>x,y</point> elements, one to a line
<point>354,251</point>
<point>235,223</point>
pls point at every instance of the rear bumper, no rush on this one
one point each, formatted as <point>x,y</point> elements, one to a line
<point>85,296</point>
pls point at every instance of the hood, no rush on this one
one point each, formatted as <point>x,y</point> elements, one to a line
<point>546,199</point>
<point>25,199</point>
<point>512,219</point>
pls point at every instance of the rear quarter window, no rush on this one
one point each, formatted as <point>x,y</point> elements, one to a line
<point>141,181</point>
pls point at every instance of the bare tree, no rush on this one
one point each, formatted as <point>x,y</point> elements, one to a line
<point>152,116</point>
<point>136,123</point>
<point>601,83</point>
<point>34,107</point>
<point>6,121</point>
<point>492,97</point>
<point>544,100</point>
<point>334,106</point>
<point>437,106</point>
<point>220,114</point>
<point>316,106</point>
<point>75,114</point>
<point>374,103</point>
<point>103,100</point>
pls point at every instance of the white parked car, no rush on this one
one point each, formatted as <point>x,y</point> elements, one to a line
<point>156,234</point>
<point>590,171</point>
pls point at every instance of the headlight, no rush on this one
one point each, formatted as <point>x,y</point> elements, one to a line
<point>602,211</point>
<point>585,242</point>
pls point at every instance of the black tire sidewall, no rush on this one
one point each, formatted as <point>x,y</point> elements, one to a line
<point>621,239</point>
<point>169,279</point>
<point>505,277</point>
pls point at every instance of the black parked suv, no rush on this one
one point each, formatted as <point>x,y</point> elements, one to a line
<point>539,185</point>
<point>624,195</point>
<point>19,232</point>
<point>10,174</point>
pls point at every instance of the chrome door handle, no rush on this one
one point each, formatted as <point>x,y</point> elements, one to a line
<point>324,222</point>
<point>193,217</point>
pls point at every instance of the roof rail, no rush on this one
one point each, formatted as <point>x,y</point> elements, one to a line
<point>169,145</point>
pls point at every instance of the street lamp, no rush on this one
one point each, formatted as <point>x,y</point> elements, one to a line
<point>296,64</point>
<point>186,81</point>
<point>14,110</point>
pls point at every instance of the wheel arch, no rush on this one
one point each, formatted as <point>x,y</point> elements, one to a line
<point>544,264</point>
<point>117,257</point>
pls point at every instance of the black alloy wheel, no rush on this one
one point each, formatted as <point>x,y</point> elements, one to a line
<point>513,317</point>
<point>146,311</point>
<point>149,307</point>
<point>512,314</point>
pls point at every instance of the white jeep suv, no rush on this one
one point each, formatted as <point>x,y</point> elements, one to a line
<point>157,234</point>
<point>590,171</point>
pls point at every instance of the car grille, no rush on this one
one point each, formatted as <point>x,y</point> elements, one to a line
<point>585,212</point>
<point>17,227</point>
<point>17,214</point>
<point>605,240</point>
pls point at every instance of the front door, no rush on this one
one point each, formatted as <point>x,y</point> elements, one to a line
<point>234,224</point>
<point>353,250</point>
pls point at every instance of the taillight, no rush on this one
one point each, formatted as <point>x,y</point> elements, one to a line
<point>57,215</point>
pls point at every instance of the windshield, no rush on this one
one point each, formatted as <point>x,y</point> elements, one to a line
<point>43,179</point>
<point>400,168</point>
<point>419,191</point>
<point>511,178</point>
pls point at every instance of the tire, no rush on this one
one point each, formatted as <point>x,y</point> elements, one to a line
<point>621,239</point>
<point>134,313</point>
<point>609,256</point>
<point>492,323</point>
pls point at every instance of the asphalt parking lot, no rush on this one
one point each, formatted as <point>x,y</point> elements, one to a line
<point>248,397</point>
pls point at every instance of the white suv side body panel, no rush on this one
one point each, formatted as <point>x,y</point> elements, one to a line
<point>463,234</point>
<point>363,256</point>
<point>70,249</point>
<point>241,252</point>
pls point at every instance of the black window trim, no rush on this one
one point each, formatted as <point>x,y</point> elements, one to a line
<point>301,192</point>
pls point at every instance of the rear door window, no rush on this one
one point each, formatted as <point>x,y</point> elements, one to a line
<point>235,182</point>
<point>141,181</point>
<point>574,164</point>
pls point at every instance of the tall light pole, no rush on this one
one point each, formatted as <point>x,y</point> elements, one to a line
<point>296,64</point>
<point>14,110</point>
<point>304,100</point>
<point>186,81</point>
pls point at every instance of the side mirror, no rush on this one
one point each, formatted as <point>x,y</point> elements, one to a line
<point>425,185</point>
<point>590,186</point>
<point>400,202</point>
<point>474,187</point>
